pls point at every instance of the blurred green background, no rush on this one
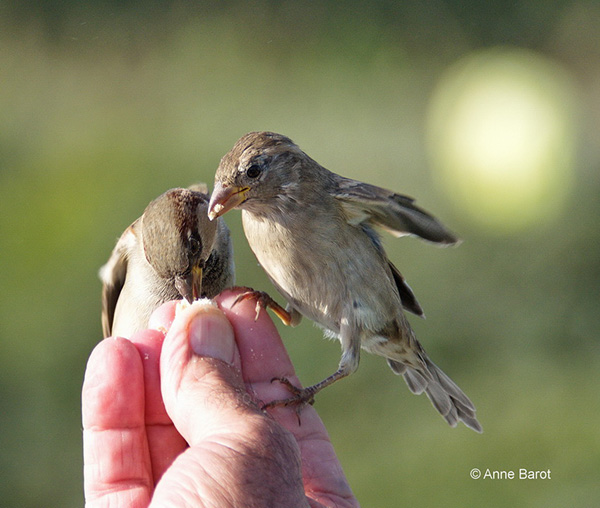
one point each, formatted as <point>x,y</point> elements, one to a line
<point>487,112</point>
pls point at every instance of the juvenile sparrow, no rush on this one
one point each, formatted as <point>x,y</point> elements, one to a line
<point>313,233</point>
<point>171,252</point>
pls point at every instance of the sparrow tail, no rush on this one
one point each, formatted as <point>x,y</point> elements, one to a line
<point>445,395</point>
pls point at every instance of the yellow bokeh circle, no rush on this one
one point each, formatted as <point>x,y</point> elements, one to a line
<point>501,135</point>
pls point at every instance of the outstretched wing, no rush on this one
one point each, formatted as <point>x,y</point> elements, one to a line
<point>113,275</point>
<point>395,213</point>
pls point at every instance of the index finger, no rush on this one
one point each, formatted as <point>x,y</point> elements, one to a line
<point>261,349</point>
<point>264,357</point>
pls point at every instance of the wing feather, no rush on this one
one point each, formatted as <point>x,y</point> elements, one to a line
<point>113,274</point>
<point>394,213</point>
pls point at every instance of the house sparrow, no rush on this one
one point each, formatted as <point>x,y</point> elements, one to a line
<point>313,233</point>
<point>171,252</point>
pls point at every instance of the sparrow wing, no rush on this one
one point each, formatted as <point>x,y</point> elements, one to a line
<point>395,213</point>
<point>200,187</point>
<point>407,297</point>
<point>112,275</point>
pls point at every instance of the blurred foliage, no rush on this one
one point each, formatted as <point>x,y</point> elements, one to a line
<point>106,104</point>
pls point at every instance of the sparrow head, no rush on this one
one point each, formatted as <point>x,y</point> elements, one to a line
<point>178,238</point>
<point>261,167</point>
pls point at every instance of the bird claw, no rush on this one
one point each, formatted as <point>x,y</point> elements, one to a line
<point>264,301</point>
<point>301,397</point>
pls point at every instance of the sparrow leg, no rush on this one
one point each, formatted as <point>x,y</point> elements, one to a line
<point>350,338</point>
<point>264,301</point>
<point>303,396</point>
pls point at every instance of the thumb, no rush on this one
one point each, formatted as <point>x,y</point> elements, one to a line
<point>201,380</point>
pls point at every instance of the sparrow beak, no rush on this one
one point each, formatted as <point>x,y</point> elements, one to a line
<point>190,286</point>
<point>224,198</point>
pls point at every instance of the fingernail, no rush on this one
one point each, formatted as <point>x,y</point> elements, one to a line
<point>211,334</point>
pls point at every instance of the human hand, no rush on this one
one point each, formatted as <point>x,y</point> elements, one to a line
<point>174,421</point>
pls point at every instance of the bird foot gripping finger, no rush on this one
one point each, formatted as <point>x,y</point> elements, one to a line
<point>301,397</point>
<point>264,301</point>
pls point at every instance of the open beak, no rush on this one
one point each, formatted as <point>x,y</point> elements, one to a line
<point>224,198</point>
<point>190,287</point>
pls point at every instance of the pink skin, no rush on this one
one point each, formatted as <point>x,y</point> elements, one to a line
<point>163,424</point>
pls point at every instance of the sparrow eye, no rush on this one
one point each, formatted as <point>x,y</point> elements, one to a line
<point>254,171</point>
<point>195,245</point>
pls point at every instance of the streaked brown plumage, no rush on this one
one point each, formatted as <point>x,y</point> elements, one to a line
<point>171,252</point>
<point>313,233</point>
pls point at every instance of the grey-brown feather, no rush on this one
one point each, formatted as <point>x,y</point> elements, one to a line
<point>113,275</point>
<point>392,212</point>
<point>409,300</point>
<point>219,271</point>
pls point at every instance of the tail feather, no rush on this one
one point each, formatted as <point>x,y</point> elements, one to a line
<point>414,379</point>
<point>470,421</point>
<point>442,401</point>
<point>445,395</point>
